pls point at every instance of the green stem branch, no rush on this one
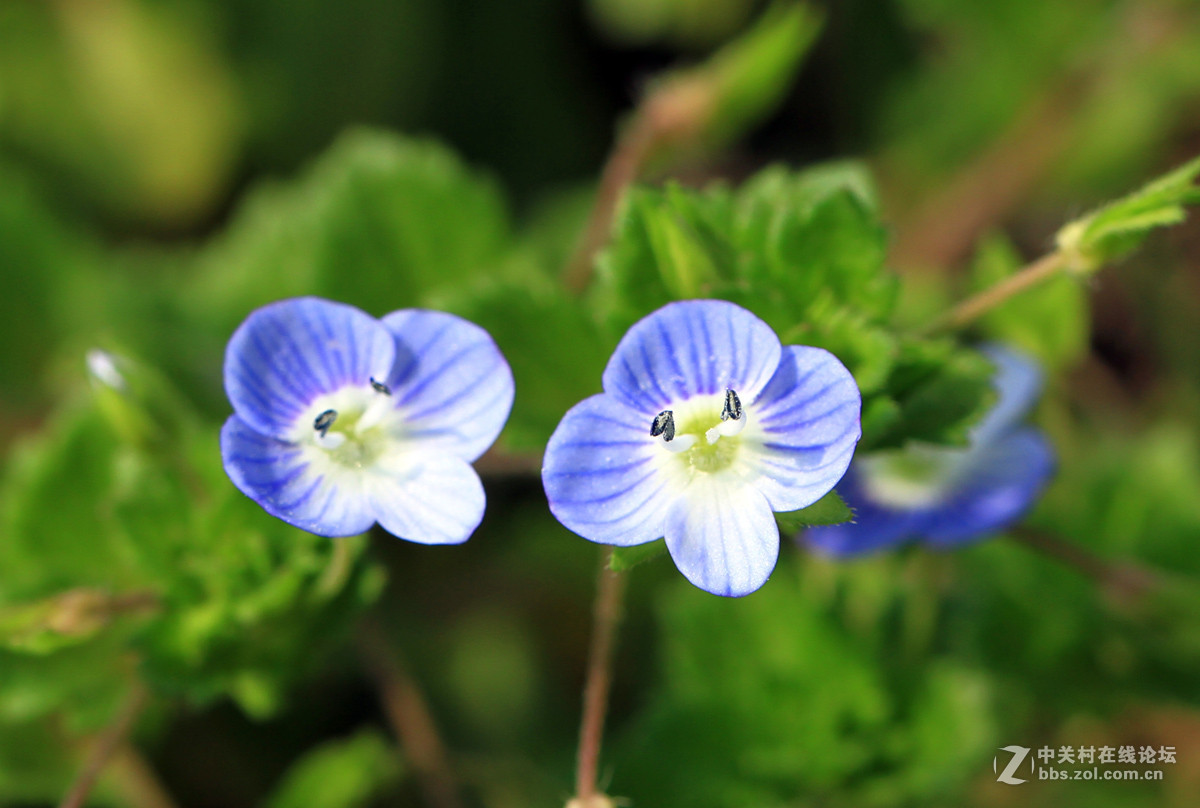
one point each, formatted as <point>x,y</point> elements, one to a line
<point>974,307</point>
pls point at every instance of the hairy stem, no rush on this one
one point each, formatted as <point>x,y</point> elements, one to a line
<point>973,307</point>
<point>411,719</point>
<point>610,589</point>
<point>106,746</point>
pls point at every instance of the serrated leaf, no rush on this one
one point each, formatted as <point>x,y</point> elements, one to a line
<point>624,558</point>
<point>379,221</point>
<point>1120,226</point>
<point>830,509</point>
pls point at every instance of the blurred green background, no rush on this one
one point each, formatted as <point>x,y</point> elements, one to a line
<point>168,165</point>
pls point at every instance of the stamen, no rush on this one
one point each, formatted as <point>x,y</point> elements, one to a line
<point>733,406</point>
<point>664,424</point>
<point>380,387</point>
<point>324,421</point>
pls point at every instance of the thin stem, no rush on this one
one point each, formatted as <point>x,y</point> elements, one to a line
<point>973,307</point>
<point>408,713</point>
<point>1125,580</point>
<point>138,783</point>
<point>674,112</point>
<point>105,747</point>
<point>610,589</point>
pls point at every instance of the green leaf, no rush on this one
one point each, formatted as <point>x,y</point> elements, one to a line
<point>624,558</point>
<point>750,75</point>
<point>379,221</point>
<point>1120,226</point>
<point>346,773</point>
<point>830,509</point>
<point>1050,322</point>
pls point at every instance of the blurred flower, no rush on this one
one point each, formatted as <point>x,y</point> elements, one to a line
<point>706,426</point>
<point>341,420</point>
<point>949,496</point>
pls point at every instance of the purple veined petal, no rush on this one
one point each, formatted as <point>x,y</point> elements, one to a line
<point>280,478</point>
<point>602,474</point>
<point>688,348</point>
<point>1002,483</point>
<point>803,428</point>
<point>722,536</point>
<point>450,381</point>
<point>873,528</point>
<point>425,497</point>
<point>287,353</point>
<point>1018,382</point>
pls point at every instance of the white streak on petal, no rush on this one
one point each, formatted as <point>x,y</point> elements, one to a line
<point>723,536</point>
<point>294,483</point>
<point>425,497</point>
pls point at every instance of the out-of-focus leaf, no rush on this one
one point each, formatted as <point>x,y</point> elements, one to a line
<point>131,99</point>
<point>346,773</point>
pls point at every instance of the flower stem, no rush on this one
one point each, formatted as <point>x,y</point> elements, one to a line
<point>610,589</point>
<point>1124,580</point>
<point>973,307</point>
<point>411,719</point>
<point>674,112</point>
<point>138,784</point>
<point>105,747</point>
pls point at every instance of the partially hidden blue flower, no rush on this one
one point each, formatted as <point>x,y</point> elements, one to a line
<point>342,420</point>
<point>948,496</point>
<point>706,426</point>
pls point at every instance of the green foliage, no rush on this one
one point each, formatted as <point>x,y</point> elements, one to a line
<point>161,559</point>
<point>1119,227</point>
<point>781,697</point>
<point>828,510</point>
<point>345,773</point>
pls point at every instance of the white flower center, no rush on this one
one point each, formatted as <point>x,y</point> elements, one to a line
<point>353,426</point>
<point>702,431</point>
<point>917,476</point>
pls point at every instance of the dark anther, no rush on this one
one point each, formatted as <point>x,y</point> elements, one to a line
<point>664,424</point>
<point>733,406</point>
<point>380,387</point>
<point>324,421</point>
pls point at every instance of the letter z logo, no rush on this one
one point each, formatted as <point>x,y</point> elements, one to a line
<point>1019,754</point>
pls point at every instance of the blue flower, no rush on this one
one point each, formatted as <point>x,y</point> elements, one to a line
<point>341,420</point>
<point>948,496</point>
<point>705,427</point>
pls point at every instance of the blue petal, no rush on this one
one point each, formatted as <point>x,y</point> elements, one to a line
<point>450,381</point>
<point>808,415</point>
<point>287,353</point>
<point>278,477</point>
<point>602,476</point>
<point>1002,484</point>
<point>1018,381</point>
<point>873,527</point>
<point>691,347</point>
<point>425,498</point>
<point>722,536</point>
